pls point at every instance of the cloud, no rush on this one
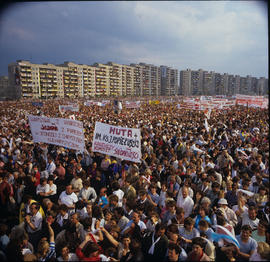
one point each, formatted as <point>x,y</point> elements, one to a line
<point>225,36</point>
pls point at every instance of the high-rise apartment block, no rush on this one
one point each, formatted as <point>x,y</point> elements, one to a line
<point>185,82</point>
<point>3,86</point>
<point>201,82</point>
<point>73,80</point>
<point>208,83</point>
<point>98,80</point>
<point>169,81</point>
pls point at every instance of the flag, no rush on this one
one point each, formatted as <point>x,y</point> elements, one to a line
<point>206,125</point>
<point>225,234</point>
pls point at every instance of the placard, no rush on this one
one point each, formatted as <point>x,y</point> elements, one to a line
<point>121,142</point>
<point>57,131</point>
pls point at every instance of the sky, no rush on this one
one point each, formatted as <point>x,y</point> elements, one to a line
<point>221,36</point>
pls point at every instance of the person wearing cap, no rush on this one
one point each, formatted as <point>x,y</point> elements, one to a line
<point>228,213</point>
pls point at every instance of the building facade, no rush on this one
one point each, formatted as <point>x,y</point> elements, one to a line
<point>210,83</point>
<point>28,80</point>
<point>169,81</point>
<point>185,82</point>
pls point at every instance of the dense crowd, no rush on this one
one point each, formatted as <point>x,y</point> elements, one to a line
<point>198,194</point>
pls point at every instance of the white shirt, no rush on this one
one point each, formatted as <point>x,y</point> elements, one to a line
<point>53,187</point>
<point>68,200</point>
<point>120,195</point>
<point>186,203</point>
<point>247,221</point>
<point>51,167</point>
<point>190,192</point>
<point>42,189</point>
<point>71,257</point>
<point>36,220</point>
<point>86,193</point>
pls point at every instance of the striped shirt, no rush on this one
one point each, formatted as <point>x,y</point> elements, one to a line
<point>50,254</point>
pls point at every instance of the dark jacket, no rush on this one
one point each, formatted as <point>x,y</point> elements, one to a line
<point>159,250</point>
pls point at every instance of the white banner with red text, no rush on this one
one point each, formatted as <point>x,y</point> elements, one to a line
<point>120,142</point>
<point>57,131</point>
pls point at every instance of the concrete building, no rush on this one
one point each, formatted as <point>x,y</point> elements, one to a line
<point>197,82</point>
<point>4,87</point>
<point>262,86</point>
<point>151,77</point>
<point>169,81</point>
<point>208,83</point>
<point>29,80</point>
<point>128,79</point>
<point>147,79</point>
<point>185,82</point>
<point>221,84</point>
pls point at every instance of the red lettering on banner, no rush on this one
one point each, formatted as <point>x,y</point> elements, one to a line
<point>118,131</point>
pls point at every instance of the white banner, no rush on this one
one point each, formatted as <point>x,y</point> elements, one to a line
<point>64,108</point>
<point>121,142</point>
<point>58,131</point>
<point>133,104</point>
<point>93,103</point>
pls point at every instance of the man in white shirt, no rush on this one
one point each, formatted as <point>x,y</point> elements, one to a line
<point>250,217</point>
<point>118,192</point>
<point>69,198</point>
<point>185,201</point>
<point>34,224</point>
<point>50,166</point>
<point>42,189</point>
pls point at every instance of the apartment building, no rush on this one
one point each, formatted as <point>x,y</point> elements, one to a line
<point>147,79</point>
<point>3,86</point>
<point>128,80</point>
<point>169,81</point>
<point>197,82</point>
<point>262,86</point>
<point>208,83</point>
<point>29,80</point>
<point>221,84</point>
<point>185,82</point>
<point>233,84</point>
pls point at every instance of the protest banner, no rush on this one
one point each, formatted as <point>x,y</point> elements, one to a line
<point>132,104</point>
<point>121,142</point>
<point>88,103</point>
<point>72,107</point>
<point>154,102</point>
<point>94,103</point>
<point>39,104</point>
<point>57,131</point>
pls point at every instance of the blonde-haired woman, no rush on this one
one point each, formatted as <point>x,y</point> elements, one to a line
<point>262,253</point>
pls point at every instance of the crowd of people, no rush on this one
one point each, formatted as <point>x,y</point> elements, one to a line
<point>199,193</point>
